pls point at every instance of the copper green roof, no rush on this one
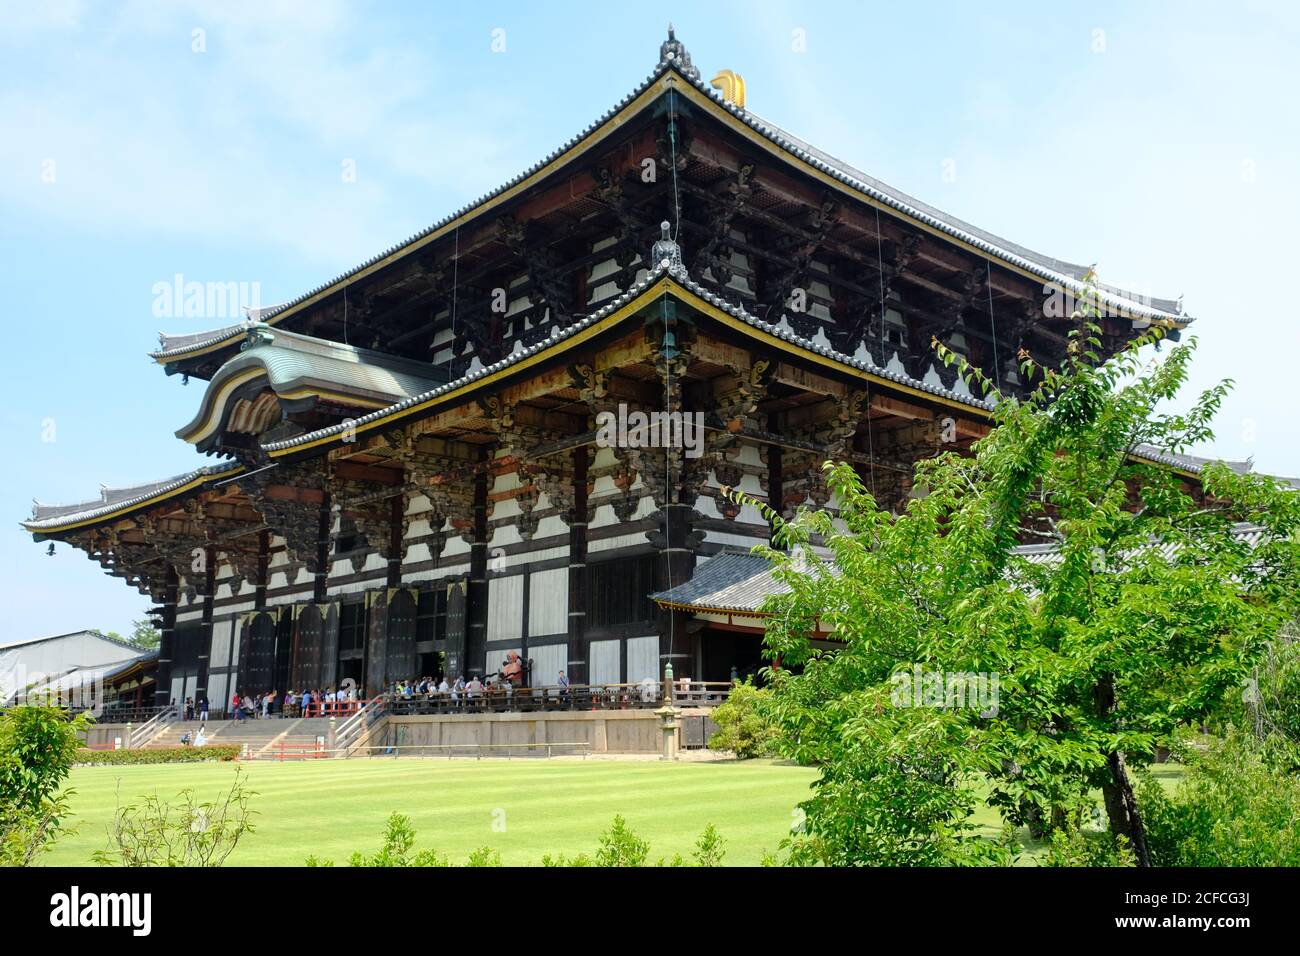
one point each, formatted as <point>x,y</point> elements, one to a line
<point>301,368</point>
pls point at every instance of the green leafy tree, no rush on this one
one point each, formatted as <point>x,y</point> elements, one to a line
<point>1269,703</point>
<point>144,634</point>
<point>1146,614</point>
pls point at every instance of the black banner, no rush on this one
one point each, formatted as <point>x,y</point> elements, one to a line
<point>939,909</point>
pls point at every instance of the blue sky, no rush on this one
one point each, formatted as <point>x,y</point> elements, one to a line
<point>1157,140</point>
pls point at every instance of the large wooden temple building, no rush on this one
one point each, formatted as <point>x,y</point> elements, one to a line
<point>406,474</point>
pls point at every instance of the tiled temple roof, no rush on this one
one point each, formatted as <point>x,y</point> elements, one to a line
<point>727,581</point>
<point>49,517</point>
<point>1183,462</point>
<point>738,583</point>
<point>1068,276</point>
<point>1250,534</point>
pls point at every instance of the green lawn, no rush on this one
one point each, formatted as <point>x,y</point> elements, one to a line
<point>331,808</point>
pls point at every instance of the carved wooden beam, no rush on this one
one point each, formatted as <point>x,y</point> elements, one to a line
<point>290,496</point>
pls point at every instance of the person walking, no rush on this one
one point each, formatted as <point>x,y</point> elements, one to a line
<point>203,708</point>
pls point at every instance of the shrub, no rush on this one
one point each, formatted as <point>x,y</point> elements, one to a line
<point>484,856</point>
<point>186,834</point>
<point>398,850</point>
<point>1234,807</point>
<point>159,755</point>
<point>741,725</point>
<point>619,846</point>
<point>1078,847</point>
<point>38,746</point>
<point>709,850</point>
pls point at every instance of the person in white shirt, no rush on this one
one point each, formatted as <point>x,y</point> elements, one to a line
<point>201,737</point>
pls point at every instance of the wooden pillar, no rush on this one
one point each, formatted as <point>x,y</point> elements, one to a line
<point>476,632</point>
<point>263,569</point>
<point>374,672</point>
<point>674,564</point>
<point>395,543</point>
<point>775,491</point>
<point>167,639</point>
<point>205,623</point>
<point>577,666</point>
<point>323,522</point>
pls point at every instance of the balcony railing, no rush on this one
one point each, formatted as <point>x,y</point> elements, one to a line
<point>644,695</point>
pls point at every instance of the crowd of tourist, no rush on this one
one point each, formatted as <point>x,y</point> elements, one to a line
<point>343,700</point>
<point>291,703</point>
<point>512,675</point>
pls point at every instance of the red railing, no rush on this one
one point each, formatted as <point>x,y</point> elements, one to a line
<point>295,750</point>
<point>332,708</point>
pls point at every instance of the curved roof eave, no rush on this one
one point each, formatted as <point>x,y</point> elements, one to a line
<point>671,280</point>
<point>304,367</point>
<point>44,527</point>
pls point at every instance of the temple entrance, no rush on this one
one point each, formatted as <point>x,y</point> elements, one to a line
<point>351,649</point>
<point>721,651</point>
<point>431,665</point>
<point>351,668</point>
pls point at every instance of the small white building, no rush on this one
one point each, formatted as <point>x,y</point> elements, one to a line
<point>39,661</point>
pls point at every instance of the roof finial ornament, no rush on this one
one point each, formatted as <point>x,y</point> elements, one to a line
<point>673,53</point>
<point>255,334</point>
<point>665,250</point>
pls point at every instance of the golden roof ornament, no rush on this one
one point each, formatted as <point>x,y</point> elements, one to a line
<point>732,85</point>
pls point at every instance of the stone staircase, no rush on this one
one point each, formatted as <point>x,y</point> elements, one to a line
<point>258,738</point>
